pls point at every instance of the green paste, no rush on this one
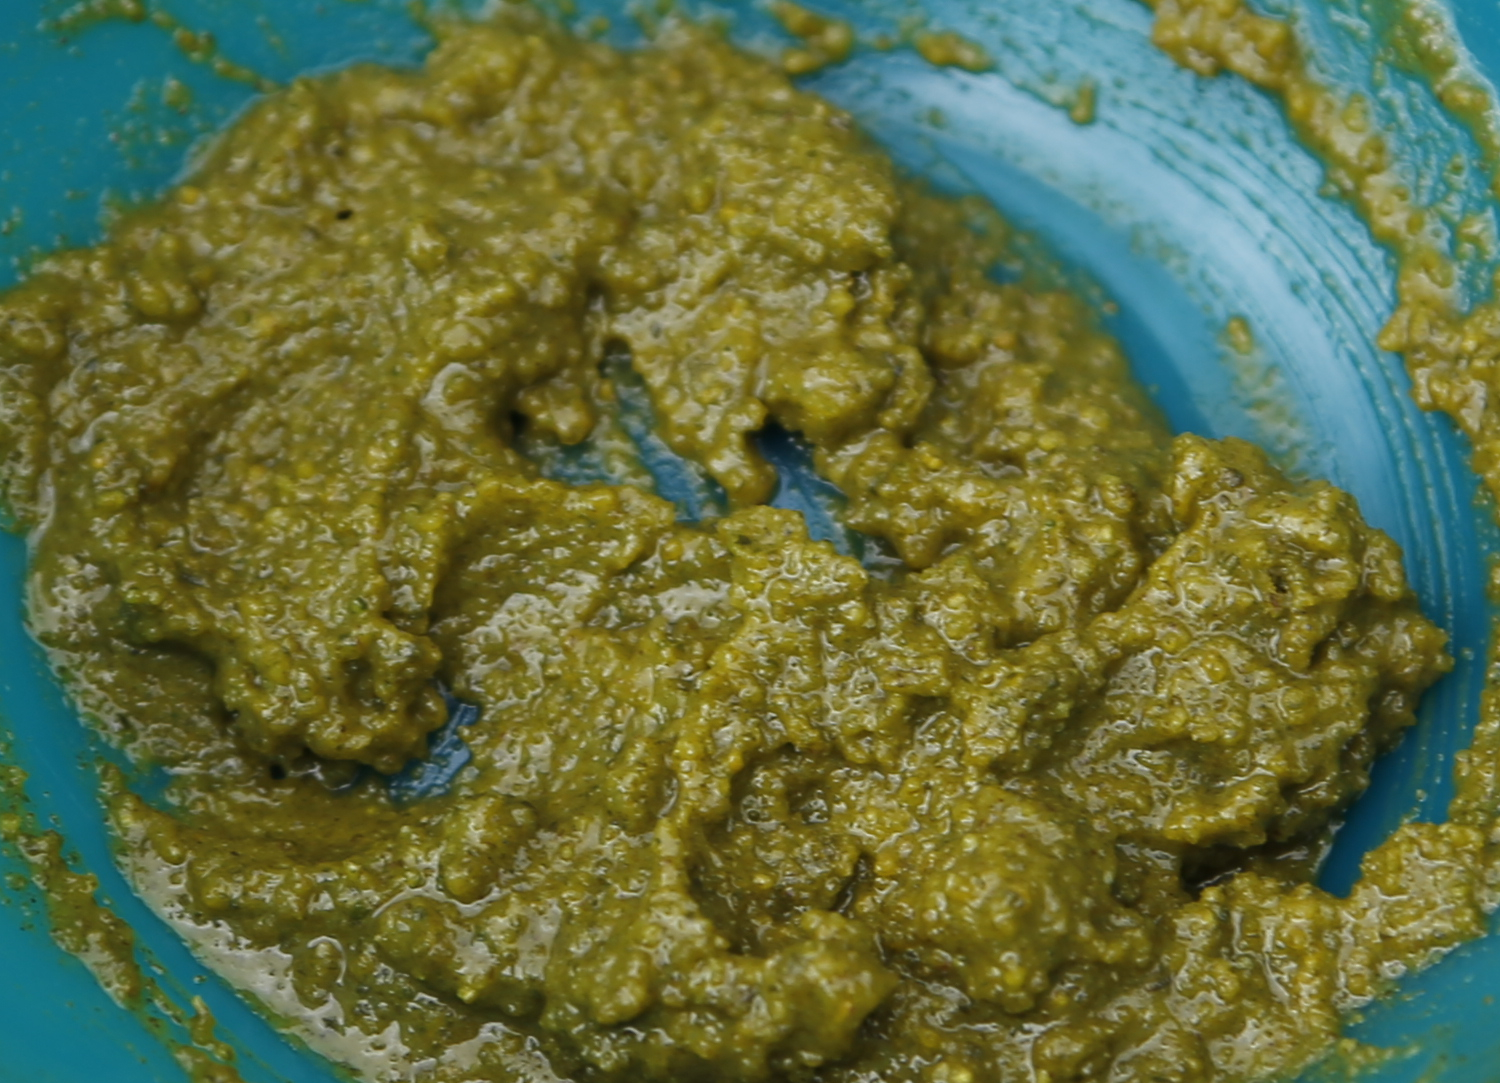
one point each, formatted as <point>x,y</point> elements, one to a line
<point>1036,795</point>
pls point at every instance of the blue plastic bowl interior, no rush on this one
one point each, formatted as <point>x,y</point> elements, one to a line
<point>1184,203</point>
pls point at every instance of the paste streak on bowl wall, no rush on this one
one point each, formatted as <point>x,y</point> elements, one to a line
<point>1040,799</point>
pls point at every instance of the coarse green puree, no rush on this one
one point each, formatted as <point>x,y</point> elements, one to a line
<point>1039,797</point>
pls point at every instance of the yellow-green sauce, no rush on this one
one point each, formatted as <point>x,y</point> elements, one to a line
<point>1035,792</point>
<point>948,49</point>
<point>824,41</point>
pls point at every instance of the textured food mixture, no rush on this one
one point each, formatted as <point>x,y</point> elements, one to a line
<point>1029,784</point>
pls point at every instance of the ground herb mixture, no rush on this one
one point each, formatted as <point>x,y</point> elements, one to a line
<point>1035,791</point>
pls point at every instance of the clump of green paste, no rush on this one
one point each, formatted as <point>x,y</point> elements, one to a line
<point>1039,800</point>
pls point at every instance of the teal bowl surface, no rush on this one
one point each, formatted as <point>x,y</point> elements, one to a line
<point>1184,203</point>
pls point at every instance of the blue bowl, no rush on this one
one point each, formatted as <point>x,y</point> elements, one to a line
<point>1185,203</point>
